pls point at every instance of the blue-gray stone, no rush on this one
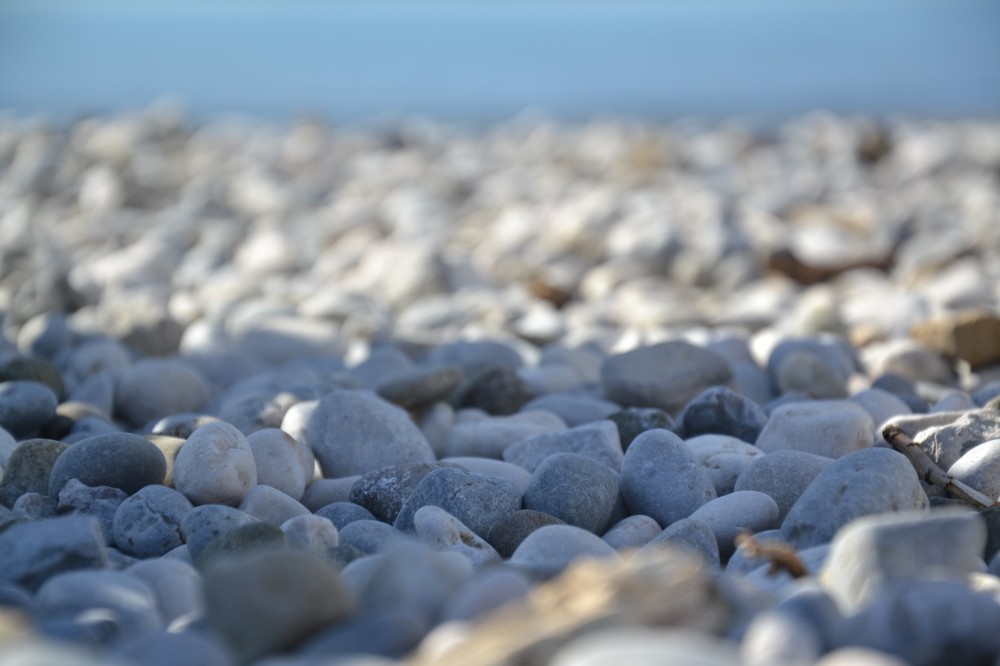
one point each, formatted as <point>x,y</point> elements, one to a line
<point>342,514</point>
<point>661,480</point>
<point>691,535</point>
<point>578,490</point>
<point>383,491</point>
<point>32,552</point>
<point>784,475</point>
<point>28,469</point>
<point>204,523</point>
<point>148,524</point>
<point>128,601</point>
<point>476,500</point>
<point>369,536</point>
<point>598,441</point>
<point>25,406</point>
<point>120,460</point>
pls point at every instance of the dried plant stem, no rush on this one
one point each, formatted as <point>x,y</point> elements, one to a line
<point>929,471</point>
<point>782,556</point>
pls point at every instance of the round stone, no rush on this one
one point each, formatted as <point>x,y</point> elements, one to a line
<point>831,428</point>
<point>202,524</point>
<point>282,462</point>
<point>148,524</point>
<point>476,500</point>
<point>720,410</point>
<point>120,460</point>
<point>25,406</point>
<point>576,489</point>
<point>215,465</point>
<point>151,389</point>
<point>28,469</point>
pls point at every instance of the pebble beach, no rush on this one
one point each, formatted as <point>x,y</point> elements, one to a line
<point>526,393</point>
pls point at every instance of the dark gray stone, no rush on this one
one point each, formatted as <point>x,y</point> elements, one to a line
<point>383,491</point>
<point>421,386</point>
<point>204,523</point>
<point>476,500</point>
<point>576,489</point>
<point>507,533</point>
<point>720,410</point>
<point>634,421</point>
<point>101,502</point>
<point>598,441</point>
<point>120,460</point>
<point>26,368</point>
<point>239,542</point>
<point>32,552</point>
<point>148,524</point>
<point>25,406</point>
<point>28,469</point>
<point>33,506</point>
<point>497,390</point>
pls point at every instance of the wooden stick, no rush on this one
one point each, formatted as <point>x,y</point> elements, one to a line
<point>782,556</point>
<point>929,471</point>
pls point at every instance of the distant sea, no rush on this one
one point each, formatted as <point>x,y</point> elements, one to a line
<point>482,60</point>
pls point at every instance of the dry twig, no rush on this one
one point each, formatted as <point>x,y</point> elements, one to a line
<point>929,471</point>
<point>781,556</point>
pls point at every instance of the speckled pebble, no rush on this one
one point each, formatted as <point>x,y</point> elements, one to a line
<point>215,465</point>
<point>148,524</point>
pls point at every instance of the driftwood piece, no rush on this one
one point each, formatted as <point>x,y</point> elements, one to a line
<point>781,555</point>
<point>930,472</point>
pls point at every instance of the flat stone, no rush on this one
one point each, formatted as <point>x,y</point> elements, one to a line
<point>598,441</point>
<point>33,369</point>
<point>945,444</point>
<point>421,386</point>
<point>980,468</point>
<point>808,372</point>
<point>215,465</point>
<point>741,511</point>
<point>578,490</point>
<point>516,474</point>
<point>783,475</point>
<point>550,549</point>
<point>720,410</point>
<point>32,506</point>
<point>25,406</point>
<point>28,469</point>
<point>32,552</point>
<point>831,428</point>
<point>273,600</point>
<point>666,376</point>
<point>507,533</point>
<point>478,501</point>
<point>486,592</point>
<point>632,532</point>
<point>874,552</point>
<point>866,482</point>
<point>723,457</point>
<point>148,524</point>
<point>880,405</point>
<point>661,480</point>
<point>321,492</point>
<point>575,410</point>
<point>488,437</point>
<point>353,433</point>
<point>120,460</point>
<point>442,531</point>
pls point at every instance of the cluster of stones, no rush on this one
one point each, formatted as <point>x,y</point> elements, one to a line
<point>289,398</point>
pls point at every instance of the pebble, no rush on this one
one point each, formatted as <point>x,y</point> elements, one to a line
<point>215,465</point>
<point>124,600</point>
<point>780,638</point>
<point>632,532</point>
<point>148,523</point>
<point>827,359</point>
<point>874,552</point>
<point>270,505</point>
<point>947,443</point>
<point>980,468</point>
<point>689,535</point>
<point>666,376</point>
<point>32,552</point>
<point>28,468</point>
<point>485,592</point>
<point>575,489</point>
<point>831,428</point>
<point>32,506</point>
<point>353,433</point>
<point>270,601</point>
<point>382,491</point>
<point>661,480</point>
<point>639,645</point>
<point>808,372</point>
<point>176,587</point>
<point>740,511</point>
<point>574,410</point>
<point>723,457</point>
<point>497,390</point>
<point>204,523</point>
<point>880,405</point>
<point>550,549</point>
<point>239,542</point>
<point>598,441</point>
<point>419,387</point>
<point>342,514</point>
<point>862,483</point>
<point>488,437</point>
<point>151,389</point>
<point>720,410</point>
<point>98,391</point>
<point>368,536</point>
<point>25,406</point>
<point>310,533</point>
<point>516,474</point>
<point>161,648</point>
<point>507,533</point>
<point>119,460</point>
<point>783,475</point>
<point>282,462</point>
<point>476,500</point>
<point>441,531</point>
<point>27,368</point>
<point>101,502</point>
<point>321,492</point>
<point>634,421</point>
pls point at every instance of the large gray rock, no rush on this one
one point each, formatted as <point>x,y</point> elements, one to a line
<point>667,375</point>
<point>784,475</point>
<point>862,483</point>
<point>352,432</point>
<point>661,480</point>
<point>32,552</point>
<point>148,524</point>
<point>947,443</point>
<point>830,428</point>
<point>875,551</point>
<point>119,460</point>
<point>576,489</point>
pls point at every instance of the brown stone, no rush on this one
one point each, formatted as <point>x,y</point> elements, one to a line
<point>972,335</point>
<point>662,588</point>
